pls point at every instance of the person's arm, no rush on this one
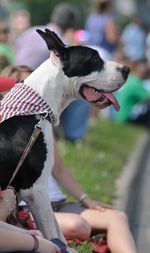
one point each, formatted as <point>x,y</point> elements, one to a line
<point>66,180</point>
<point>14,241</point>
<point>7,203</point>
<point>5,225</point>
<point>11,240</point>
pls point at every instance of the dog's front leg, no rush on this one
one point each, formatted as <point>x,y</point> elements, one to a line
<point>40,206</point>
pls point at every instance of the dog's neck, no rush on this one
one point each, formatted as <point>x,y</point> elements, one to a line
<point>49,81</point>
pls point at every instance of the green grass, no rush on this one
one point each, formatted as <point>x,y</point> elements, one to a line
<point>97,160</point>
<point>84,248</point>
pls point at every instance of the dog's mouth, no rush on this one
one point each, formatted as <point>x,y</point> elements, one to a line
<point>99,98</point>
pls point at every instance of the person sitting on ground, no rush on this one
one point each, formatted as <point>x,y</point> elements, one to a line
<point>81,219</point>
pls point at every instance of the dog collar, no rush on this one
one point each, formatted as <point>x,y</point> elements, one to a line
<point>23,100</point>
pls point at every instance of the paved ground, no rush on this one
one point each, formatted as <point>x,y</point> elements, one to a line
<point>139,212</point>
<point>134,193</point>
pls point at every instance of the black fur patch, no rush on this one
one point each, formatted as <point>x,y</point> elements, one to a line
<point>14,135</point>
<point>81,61</point>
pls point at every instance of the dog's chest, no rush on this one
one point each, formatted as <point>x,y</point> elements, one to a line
<point>49,141</point>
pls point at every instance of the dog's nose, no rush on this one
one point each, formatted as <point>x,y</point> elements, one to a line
<point>125,71</point>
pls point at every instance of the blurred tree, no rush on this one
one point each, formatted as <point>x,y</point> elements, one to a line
<point>41,9</point>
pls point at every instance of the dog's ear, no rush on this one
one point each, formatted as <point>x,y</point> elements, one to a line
<point>53,41</point>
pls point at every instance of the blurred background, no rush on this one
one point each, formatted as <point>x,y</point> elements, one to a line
<point>41,9</point>
<point>120,31</point>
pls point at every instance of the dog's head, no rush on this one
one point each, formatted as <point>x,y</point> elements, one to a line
<point>94,79</point>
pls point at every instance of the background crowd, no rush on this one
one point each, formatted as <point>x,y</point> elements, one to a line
<point>22,51</point>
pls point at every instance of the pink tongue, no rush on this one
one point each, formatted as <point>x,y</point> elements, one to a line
<point>91,95</point>
<point>112,99</point>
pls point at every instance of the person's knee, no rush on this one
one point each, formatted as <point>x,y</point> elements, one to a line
<point>122,216</point>
<point>79,228</point>
<point>118,217</point>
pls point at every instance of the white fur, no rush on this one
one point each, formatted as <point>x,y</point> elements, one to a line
<point>58,91</point>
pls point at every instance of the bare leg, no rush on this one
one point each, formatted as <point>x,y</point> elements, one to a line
<point>119,237</point>
<point>73,225</point>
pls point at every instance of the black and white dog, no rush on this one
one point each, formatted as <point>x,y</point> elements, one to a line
<point>70,73</point>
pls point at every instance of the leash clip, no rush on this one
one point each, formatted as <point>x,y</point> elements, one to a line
<point>38,125</point>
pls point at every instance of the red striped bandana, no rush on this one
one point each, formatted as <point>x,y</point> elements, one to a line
<point>23,100</point>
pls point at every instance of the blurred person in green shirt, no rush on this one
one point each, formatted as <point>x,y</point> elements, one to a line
<point>6,50</point>
<point>134,98</point>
